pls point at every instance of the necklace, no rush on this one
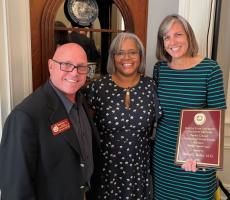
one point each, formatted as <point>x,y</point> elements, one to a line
<point>127,87</point>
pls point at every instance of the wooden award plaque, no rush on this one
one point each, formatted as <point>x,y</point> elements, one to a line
<point>201,137</point>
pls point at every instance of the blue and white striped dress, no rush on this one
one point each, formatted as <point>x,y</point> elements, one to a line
<point>198,87</point>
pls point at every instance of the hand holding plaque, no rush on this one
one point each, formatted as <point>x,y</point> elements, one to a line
<point>201,137</point>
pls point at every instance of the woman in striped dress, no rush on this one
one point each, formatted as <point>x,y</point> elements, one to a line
<point>186,80</point>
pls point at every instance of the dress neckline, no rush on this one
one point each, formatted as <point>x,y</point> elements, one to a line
<point>190,68</point>
<point>129,87</point>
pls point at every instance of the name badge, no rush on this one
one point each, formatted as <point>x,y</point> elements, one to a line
<point>60,127</point>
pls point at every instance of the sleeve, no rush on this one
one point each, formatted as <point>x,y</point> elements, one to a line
<point>157,106</point>
<point>215,89</point>
<point>157,111</point>
<point>18,155</point>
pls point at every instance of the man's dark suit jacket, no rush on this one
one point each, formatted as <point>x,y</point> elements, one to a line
<point>35,164</point>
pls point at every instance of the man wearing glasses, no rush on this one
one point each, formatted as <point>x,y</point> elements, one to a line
<point>46,148</point>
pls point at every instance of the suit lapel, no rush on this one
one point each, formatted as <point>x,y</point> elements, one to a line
<point>59,115</point>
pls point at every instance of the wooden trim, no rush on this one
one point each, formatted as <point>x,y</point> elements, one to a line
<point>47,32</point>
<point>75,29</point>
<point>126,14</point>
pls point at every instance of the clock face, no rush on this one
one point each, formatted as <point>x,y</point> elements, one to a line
<point>83,12</point>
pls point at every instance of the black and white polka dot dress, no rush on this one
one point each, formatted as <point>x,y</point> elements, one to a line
<point>124,134</point>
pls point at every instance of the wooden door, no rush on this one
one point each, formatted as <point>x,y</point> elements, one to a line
<point>42,17</point>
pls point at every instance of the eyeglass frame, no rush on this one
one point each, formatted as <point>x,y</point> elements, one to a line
<point>74,66</point>
<point>131,53</point>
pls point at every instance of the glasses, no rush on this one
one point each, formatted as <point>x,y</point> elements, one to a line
<point>68,67</point>
<point>131,54</point>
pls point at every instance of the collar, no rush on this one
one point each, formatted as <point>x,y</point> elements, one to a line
<point>67,103</point>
